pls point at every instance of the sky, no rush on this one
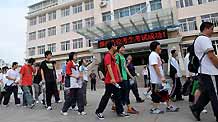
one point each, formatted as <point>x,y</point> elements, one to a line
<point>13,29</point>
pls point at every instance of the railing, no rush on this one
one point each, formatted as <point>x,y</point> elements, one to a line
<point>188,26</point>
<point>213,20</point>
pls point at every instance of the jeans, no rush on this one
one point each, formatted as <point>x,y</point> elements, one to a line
<point>27,95</point>
<point>209,93</point>
<point>111,89</point>
<point>9,91</point>
<point>73,96</point>
<point>37,90</point>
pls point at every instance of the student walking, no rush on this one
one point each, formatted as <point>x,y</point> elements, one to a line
<point>93,81</point>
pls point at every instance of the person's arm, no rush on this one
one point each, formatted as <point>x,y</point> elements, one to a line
<point>42,74</point>
<point>157,70</point>
<point>127,70</point>
<point>111,74</point>
<point>213,58</point>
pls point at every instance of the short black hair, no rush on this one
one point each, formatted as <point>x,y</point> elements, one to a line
<point>154,45</point>
<point>205,25</point>
<point>31,61</point>
<point>71,55</point>
<point>81,62</point>
<point>173,51</point>
<point>119,46</point>
<point>110,44</point>
<point>47,53</point>
<point>14,63</point>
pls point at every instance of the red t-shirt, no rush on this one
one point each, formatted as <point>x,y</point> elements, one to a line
<point>27,75</point>
<point>69,66</point>
<point>110,60</point>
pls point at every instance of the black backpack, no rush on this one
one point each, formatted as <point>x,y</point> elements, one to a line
<point>194,62</point>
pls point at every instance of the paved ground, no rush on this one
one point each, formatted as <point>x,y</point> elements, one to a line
<point>39,114</point>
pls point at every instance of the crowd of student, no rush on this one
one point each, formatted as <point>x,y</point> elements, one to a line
<point>119,76</point>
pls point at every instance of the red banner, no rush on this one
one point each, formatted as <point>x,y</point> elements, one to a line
<point>151,36</point>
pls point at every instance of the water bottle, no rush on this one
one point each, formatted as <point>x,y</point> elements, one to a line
<point>117,85</point>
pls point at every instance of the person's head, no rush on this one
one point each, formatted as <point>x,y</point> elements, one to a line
<point>14,65</point>
<point>174,53</point>
<point>207,28</point>
<point>48,55</point>
<point>155,46</point>
<point>111,46</point>
<point>4,70</point>
<point>129,58</point>
<point>72,56</point>
<point>31,61</point>
<point>82,62</point>
<point>121,49</point>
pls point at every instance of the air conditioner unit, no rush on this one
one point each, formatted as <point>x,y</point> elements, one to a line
<point>103,4</point>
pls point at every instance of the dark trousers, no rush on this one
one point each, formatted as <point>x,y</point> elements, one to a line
<point>84,87</point>
<point>2,95</point>
<point>51,89</point>
<point>110,89</point>
<point>73,96</point>
<point>27,95</point>
<point>134,88</point>
<point>176,90</point>
<point>145,80</point>
<point>125,89</point>
<point>93,84</point>
<point>209,93</point>
<point>9,91</point>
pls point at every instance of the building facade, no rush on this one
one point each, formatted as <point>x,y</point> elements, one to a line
<point>81,26</point>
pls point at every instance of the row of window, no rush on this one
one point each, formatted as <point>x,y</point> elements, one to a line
<point>189,24</point>
<point>77,8</point>
<point>65,46</point>
<point>186,3</point>
<point>89,22</point>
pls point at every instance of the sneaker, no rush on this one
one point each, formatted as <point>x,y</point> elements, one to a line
<point>172,109</point>
<point>195,114</point>
<point>43,102</point>
<point>5,106</point>
<point>59,101</point>
<point>132,111</point>
<point>100,116</point>
<point>64,113</point>
<point>113,108</point>
<point>157,111</point>
<point>37,102</point>
<point>76,108</point>
<point>49,108</point>
<point>123,114</point>
<point>82,113</point>
<point>204,111</point>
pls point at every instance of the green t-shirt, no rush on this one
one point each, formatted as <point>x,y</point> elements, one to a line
<point>121,59</point>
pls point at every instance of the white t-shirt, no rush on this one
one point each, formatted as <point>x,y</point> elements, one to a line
<point>12,74</point>
<point>154,59</point>
<point>84,70</point>
<point>1,76</point>
<point>175,64</point>
<point>202,45</point>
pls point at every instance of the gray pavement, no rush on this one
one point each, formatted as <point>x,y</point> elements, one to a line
<point>40,114</point>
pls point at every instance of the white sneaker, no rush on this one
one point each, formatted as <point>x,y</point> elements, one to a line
<point>37,102</point>
<point>49,108</point>
<point>82,113</point>
<point>59,101</point>
<point>204,111</point>
<point>64,113</point>
<point>76,108</point>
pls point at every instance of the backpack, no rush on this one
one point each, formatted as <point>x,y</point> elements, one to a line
<point>194,62</point>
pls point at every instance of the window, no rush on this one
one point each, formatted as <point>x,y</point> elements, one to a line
<point>106,16</point>
<point>215,46</point>
<point>42,18</point>
<point>52,31</point>
<point>90,22</point>
<point>52,47</point>
<point>65,12</point>
<point>77,8</point>
<point>188,24</point>
<point>78,43</point>
<point>88,43</point>
<point>31,51</point>
<point>131,10</point>
<point>211,18</point>
<point>32,36</point>
<point>41,33</point>
<point>89,4</point>
<point>52,15</point>
<point>65,45</point>
<point>33,21</point>
<point>65,28</point>
<point>77,25</point>
<point>41,49</point>
<point>205,1</point>
<point>155,5</point>
<point>184,3</point>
